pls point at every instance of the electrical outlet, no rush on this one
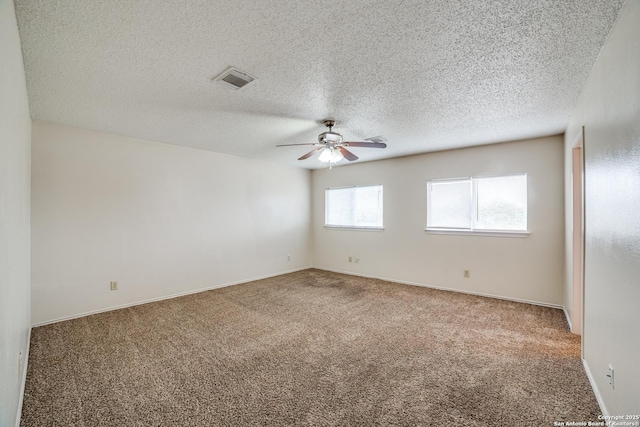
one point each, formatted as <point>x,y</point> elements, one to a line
<point>467,273</point>
<point>350,259</point>
<point>610,376</point>
<point>357,260</point>
<point>114,285</point>
<point>288,257</point>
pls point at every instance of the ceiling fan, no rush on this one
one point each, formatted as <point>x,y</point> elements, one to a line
<point>332,147</point>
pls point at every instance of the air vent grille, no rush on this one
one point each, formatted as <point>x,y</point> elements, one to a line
<point>379,138</point>
<point>234,78</point>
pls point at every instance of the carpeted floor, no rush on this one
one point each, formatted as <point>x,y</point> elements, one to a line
<point>310,348</point>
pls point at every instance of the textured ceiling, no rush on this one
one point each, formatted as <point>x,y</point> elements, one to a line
<point>427,75</point>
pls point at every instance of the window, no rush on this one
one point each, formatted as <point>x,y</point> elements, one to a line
<point>353,207</point>
<point>478,204</point>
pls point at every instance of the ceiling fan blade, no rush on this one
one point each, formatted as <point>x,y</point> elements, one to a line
<point>290,145</point>
<point>310,153</point>
<point>348,154</point>
<point>365,144</point>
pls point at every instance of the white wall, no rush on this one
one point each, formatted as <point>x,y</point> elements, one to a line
<point>159,219</point>
<point>609,108</point>
<point>528,269</point>
<point>15,161</point>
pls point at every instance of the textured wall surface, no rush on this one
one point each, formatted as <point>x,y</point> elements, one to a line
<point>15,161</point>
<point>528,268</point>
<point>157,218</point>
<point>609,109</point>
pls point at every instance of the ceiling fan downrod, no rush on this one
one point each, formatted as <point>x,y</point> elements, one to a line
<point>329,123</point>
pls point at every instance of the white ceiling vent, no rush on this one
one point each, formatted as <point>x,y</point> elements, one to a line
<point>376,139</point>
<point>234,78</point>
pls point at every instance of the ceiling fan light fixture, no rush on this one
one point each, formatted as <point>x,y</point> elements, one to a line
<point>333,149</point>
<point>325,156</point>
<point>330,155</point>
<point>336,155</point>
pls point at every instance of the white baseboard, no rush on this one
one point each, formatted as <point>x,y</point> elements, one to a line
<point>566,314</point>
<point>23,381</point>
<point>164,297</point>
<point>442,288</point>
<point>223,285</point>
<point>596,391</point>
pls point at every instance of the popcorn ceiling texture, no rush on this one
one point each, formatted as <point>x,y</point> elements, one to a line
<point>426,75</point>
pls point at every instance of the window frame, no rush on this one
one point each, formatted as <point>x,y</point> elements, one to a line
<point>474,209</point>
<point>354,227</point>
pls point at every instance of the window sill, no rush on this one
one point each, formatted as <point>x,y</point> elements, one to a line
<point>488,233</point>
<point>337,227</point>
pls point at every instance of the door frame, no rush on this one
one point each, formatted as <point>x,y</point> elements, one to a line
<point>578,232</point>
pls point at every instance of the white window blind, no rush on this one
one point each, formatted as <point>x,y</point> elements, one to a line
<point>478,204</point>
<point>354,207</point>
<point>450,203</point>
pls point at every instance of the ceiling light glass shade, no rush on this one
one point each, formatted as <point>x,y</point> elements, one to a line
<point>325,156</point>
<point>336,155</point>
<point>330,155</point>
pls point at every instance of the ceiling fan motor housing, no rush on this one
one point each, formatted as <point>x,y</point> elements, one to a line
<point>333,137</point>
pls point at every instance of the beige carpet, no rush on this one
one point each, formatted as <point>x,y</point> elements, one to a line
<point>310,348</point>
